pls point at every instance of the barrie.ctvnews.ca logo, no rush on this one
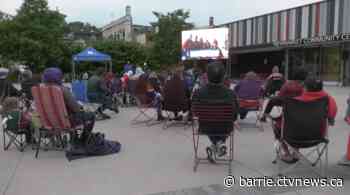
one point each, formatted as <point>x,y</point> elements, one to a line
<point>231,181</point>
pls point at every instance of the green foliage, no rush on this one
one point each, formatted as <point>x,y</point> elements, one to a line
<point>167,41</point>
<point>122,52</point>
<point>34,36</point>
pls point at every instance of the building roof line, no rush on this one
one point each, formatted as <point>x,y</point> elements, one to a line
<point>274,12</point>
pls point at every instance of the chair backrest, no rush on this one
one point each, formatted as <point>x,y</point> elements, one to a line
<point>175,95</point>
<point>213,112</point>
<point>79,89</point>
<point>13,120</point>
<point>277,83</point>
<point>303,121</point>
<point>249,89</point>
<point>50,105</point>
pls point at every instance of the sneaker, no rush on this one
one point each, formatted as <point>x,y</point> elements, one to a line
<point>221,149</point>
<point>211,153</point>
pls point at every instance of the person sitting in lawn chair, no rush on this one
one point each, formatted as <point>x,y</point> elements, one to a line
<point>176,96</point>
<point>216,93</point>
<point>314,91</point>
<point>291,88</point>
<point>274,82</point>
<point>250,88</point>
<point>145,93</point>
<point>17,123</point>
<point>54,76</point>
<point>98,92</point>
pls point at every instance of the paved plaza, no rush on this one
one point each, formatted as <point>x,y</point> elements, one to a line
<point>157,161</point>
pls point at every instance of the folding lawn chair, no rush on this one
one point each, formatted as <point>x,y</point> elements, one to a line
<point>256,106</point>
<point>79,89</point>
<point>12,131</point>
<point>305,126</point>
<point>274,85</point>
<point>54,119</point>
<point>175,101</point>
<point>144,106</point>
<point>212,115</point>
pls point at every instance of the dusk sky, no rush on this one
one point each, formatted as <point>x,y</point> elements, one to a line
<point>100,12</point>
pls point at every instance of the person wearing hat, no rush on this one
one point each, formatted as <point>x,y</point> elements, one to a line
<point>6,87</point>
<point>54,76</point>
<point>215,92</point>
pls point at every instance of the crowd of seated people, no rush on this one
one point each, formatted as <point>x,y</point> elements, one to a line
<point>50,77</point>
<point>209,86</point>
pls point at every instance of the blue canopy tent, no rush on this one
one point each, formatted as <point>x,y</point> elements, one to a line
<point>91,55</point>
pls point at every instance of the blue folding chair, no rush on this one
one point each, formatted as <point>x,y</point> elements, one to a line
<point>79,89</point>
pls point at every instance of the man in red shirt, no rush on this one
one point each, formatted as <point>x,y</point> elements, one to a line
<point>314,91</point>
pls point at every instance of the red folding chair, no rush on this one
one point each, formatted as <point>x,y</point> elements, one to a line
<point>212,114</point>
<point>255,106</point>
<point>54,120</point>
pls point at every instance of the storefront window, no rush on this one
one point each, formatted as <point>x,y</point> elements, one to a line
<point>323,63</point>
<point>330,64</point>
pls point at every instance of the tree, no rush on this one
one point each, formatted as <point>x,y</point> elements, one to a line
<point>122,52</point>
<point>34,36</point>
<point>82,31</point>
<point>167,38</point>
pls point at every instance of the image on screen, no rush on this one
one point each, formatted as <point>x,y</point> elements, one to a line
<point>205,44</point>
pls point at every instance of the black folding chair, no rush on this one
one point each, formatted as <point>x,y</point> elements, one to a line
<point>175,101</point>
<point>12,131</point>
<point>274,85</point>
<point>213,115</point>
<point>305,126</point>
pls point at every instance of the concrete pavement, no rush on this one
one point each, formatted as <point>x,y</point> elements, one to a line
<point>157,161</point>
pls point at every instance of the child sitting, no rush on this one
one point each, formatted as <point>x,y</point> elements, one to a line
<point>10,107</point>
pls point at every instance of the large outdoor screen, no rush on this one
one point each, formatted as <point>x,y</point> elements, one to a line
<point>205,44</point>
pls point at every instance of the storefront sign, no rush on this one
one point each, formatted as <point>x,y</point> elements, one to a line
<point>314,40</point>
